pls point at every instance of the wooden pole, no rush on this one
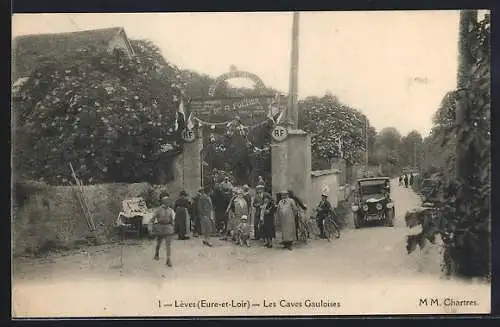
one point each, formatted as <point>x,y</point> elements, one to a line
<point>366,142</point>
<point>293,106</point>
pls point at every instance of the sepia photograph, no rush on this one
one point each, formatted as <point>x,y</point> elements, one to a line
<point>209,164</point>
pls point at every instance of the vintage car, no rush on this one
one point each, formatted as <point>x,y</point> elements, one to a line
<point>135,217</point>
<point>372,202</point>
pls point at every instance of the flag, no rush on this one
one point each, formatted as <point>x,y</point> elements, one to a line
<point>180,117</point>
<point>275,112</point>
<point>189,122</point>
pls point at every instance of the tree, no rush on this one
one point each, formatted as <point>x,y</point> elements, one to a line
<point>463,218</point>
<point>387,146</point>
<point>410,149</point>
<point>108,115</point>
<point>337,129</point>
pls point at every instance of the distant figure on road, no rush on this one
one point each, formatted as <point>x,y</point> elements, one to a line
<point>401,177</point>
<point>411,178</point>
<point>164,220</point>
<point>406,180</point>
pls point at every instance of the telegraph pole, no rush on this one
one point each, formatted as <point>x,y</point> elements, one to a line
<point>366,141</point>
<point>293,105</point>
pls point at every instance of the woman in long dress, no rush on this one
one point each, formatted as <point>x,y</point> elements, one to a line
<point>182,207</point>
<point>205,210</point>
<point>286,213</point>
<point>266,215</point>
<point>237,208</point>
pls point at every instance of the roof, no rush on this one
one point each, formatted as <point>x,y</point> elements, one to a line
<point>28,51</point>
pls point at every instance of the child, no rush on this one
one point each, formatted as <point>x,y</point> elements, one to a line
<point>243,231</point>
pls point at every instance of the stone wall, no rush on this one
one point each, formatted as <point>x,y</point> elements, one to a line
<point>320,180</point>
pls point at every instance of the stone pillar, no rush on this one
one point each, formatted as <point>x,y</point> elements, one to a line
<point>291,164</point>
<point>188,165</point>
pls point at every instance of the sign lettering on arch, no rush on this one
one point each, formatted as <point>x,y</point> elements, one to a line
<point>251,109</point>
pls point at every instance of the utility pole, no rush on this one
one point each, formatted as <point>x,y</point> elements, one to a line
<point>468,18</point>
<point>366,141</point>
<point>293,105</point>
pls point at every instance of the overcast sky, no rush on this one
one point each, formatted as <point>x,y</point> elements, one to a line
<point>393,66</point>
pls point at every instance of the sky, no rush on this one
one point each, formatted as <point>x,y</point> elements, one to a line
<point>394,66</point>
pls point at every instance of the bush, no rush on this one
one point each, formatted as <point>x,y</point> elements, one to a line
<point>107,115</point>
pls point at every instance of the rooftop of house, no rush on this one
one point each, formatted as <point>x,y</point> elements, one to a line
<point>29,51</point>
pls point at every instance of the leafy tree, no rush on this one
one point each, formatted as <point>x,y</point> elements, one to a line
<point>410,149</point>
<point>463,218</point>
<point>338,130</point>
<point>108,115</point>
<point>387,145</point>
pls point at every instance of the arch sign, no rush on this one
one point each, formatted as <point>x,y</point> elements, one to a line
<point>251,109</point>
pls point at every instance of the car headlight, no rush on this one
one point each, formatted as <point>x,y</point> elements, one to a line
<point>390,205</point>
<point>365,207</point>
<point>379,206</point>
<point>354,208</point>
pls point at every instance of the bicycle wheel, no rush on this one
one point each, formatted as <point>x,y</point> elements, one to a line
<point>303,234</point>
<point>336,229</point>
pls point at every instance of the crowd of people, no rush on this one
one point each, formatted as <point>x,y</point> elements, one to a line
<point>230,213</point>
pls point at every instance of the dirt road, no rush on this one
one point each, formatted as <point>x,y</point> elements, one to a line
<point>367,271</point>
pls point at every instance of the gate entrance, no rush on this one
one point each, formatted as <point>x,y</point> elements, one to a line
<point>236,125</point>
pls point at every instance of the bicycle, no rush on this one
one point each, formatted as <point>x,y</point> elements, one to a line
<point>304,231</point>
<point>330,227</point>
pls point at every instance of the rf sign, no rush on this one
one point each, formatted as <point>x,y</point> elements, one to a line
<point>188,135</point>
<point>279,133</point>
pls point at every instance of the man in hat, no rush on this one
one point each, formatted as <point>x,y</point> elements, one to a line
<point>164,220</point>
<point>323,209</point>
<point>195,215</point>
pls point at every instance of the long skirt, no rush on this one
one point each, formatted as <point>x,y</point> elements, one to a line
<point>269,228</point>
<point>206,226</point>
<point>233,221</point>
<point>287,223</point>
<point>181,222</point>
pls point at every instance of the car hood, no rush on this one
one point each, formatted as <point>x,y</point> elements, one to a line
<point>373,198</point>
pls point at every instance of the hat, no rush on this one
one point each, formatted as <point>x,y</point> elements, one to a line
<point>183,193</point>
<point>244,217</point>
<point>324,194</point>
